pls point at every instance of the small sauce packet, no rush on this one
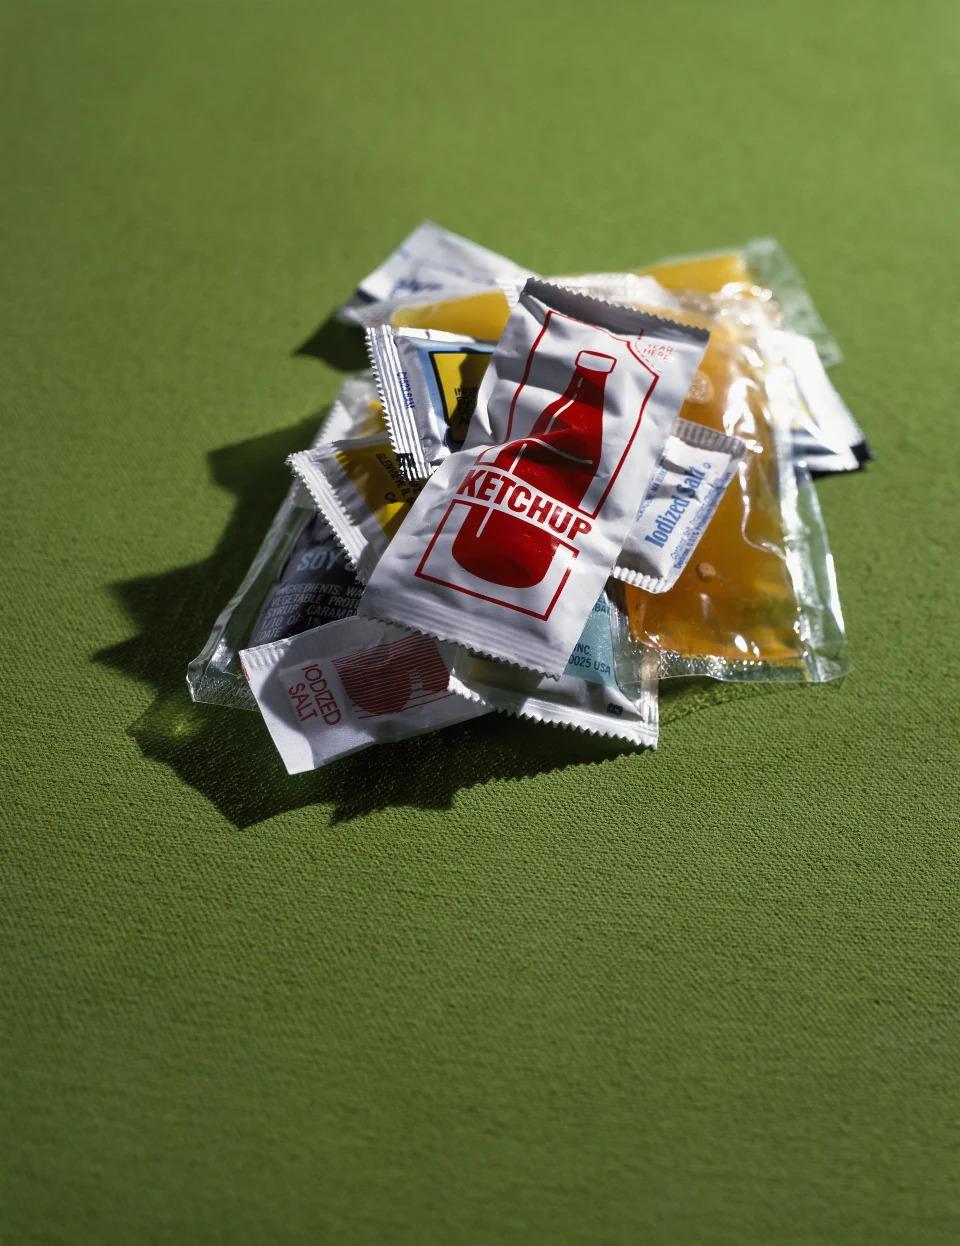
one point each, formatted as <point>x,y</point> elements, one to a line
<point>512,539</point>
<point>316,586</point>
<point>359,489</point>
<point>697,465</point>
<point>587,695</point>
<point>431,263</point>
<point>428,383</point>
<point>349,684</point>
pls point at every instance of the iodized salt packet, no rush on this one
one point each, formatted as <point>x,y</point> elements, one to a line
<point>341,687</point>
<point>510,543</point>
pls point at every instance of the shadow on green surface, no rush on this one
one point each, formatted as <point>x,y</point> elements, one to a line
<point>226,754</point>
<point>341,345</point>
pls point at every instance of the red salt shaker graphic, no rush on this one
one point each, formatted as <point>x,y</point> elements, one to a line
<point>558,458</point>
<point>390,678</point>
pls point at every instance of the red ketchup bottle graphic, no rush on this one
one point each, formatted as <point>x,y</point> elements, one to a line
<point>559,460</point>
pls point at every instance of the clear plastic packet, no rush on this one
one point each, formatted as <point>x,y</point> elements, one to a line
<point>428,383</point>
<point>694,472</point>
<point>356,411</point>
<point>760,269</point>
<point>292,581</point>
<point>337,689</point>
<point>587,695</point>
<point>758,602</point>
<point>430,263</point>
<point>511,540</point>
<point>825,435</point>
<point>361,492</point>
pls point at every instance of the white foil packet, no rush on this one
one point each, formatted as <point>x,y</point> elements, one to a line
<point>512,539</point>
<point>587,695</point>
<point>431,263</point>
<point>428,383</point>
<point>349,684</point>
<point>358,487</point>
<point>692,476</point>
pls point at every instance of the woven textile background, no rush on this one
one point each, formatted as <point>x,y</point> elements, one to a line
<point>504,986</point>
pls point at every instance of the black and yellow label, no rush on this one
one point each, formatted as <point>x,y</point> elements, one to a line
<point>374,473</point>
<point>458,375</point>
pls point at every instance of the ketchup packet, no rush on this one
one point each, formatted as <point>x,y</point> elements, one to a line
<point>696,466</point>
<point>511,541</point>
<point>430,263</point>
<point>360,491</point>
<point>342,687</point>
<point>673,514</point>
<point>587,695</point>
<point>428,383</point>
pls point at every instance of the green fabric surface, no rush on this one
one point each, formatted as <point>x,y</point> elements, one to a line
<point>504,984</point>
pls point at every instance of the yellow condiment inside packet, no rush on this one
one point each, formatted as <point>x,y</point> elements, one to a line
<point>481,316</point>
<point>708,274</point>
<point>735,599</point>
<point>376,477</point>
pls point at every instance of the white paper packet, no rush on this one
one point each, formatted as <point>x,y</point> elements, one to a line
<point>431,263</point>
<point>349,684</point>
<point>586,696</point>
<point>358,487</point>
<point>692,476</point>
<point>428,383</point>
<point>365,508</point>
<point>512,539</point>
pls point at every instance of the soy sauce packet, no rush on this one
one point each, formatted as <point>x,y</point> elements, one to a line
<point>339,688</point>
<point>298,578</point>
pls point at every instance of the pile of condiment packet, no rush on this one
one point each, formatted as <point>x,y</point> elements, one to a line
<point>545,496</point>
